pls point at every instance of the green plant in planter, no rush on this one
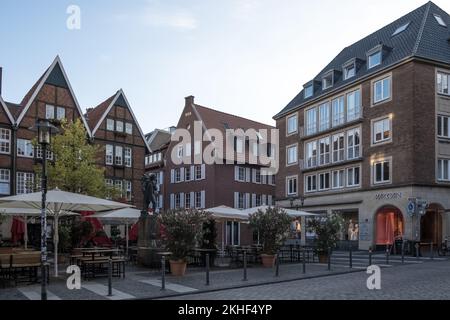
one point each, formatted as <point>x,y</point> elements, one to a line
<point>81,231</point>
<point>327,232</point>
<point>65,238</point>
<point>209,234</point>
<point>183,229</point>
<point>273,226</point>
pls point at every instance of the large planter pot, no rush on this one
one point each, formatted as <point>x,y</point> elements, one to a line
<point>323,257</point>
<point>178,267</point>
<point>268,260</point>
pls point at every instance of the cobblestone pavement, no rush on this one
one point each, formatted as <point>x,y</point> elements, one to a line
<point>143,283</point>
<point>429,281</point>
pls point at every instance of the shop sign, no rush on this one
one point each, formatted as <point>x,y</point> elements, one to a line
<point>389,196</point>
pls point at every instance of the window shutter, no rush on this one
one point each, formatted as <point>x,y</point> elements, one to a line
<point>247,174</point>
<point>181,174</point>
<point>270,200</point>
<point>253,200</point>
<point>161,178</point>
<point>172,176</point>
<point>264,200</point>
<point>182,204</point>
<point>236,173</point>
<point>172,201</point>
<point>247,200</point>
<point>236,200</point>
<point>192,177</point>
<point>203,200</point>
<point>192,200</point>
<point>203,171</point>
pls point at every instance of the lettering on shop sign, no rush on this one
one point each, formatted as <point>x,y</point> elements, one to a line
<point>389,196</point>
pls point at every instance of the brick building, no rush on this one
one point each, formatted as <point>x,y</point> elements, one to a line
<point>370,133</point>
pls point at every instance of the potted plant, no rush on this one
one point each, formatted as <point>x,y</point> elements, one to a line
<point>183,229</point>
<point>327,231</point>
<point>273,226</point>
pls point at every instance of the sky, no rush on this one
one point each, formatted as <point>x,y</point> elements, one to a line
<point>245,57</point>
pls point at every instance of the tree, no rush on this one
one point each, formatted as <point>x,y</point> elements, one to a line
<point>327,232</point>
<point>74,168</point>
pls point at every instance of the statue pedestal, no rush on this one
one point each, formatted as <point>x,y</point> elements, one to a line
<point>148,243</point>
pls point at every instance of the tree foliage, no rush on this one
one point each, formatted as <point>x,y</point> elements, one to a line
<point>273,227</point>
<point>327,231</point>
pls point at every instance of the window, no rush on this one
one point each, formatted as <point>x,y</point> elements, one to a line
<point>292,155</point>
<point>324,181</point>
<point>25,182</point>
<point>128,128</point>
<point>49,112</point>
<point>187,200</point>
<point>5,141</point>
<point>177,175</point>
<point>443,127</point>
<point>233,233</point>
<point>442,83</point>
<point>119,126</point>
<point>128,157</point>
<point>110,124</point>
<point>291,186</point>
<point>309,91</point>
<point>180,152</point>
<point>177,201</point>
<point>198,173</point>
<point>353,177</point>
<point>118,185</point>
<point>382,172</point>
<point>349,71</point>
<point>443,170</point>
<point>338,111</point>
<point>311,183</point>
<point>401,29</point>
<point>327,81</point>
<point>381,131</point>
<point>353,144</point>
<point>118,156</point>
<point>241,200</point>
<point>311,154</point>
<point>324,151</point>
<point>39,153</point>
<point>311,121</point>
<point>187,174</point>
<point>324,116</point>
<point>238,144</point>
<point>338,179</point>
<point>339,147</point>
<point>240,174</point>
<point>60,113</point>
<point>4,182</point>
<point>109,154</point>
<point>128,190</point>
<point>198,200</point>
<point>292,125</point>
<point>109,186</point>
<point>375,59</point>
<point>257,176</point>
<point>382,90</point>
<point>353,105</point>
<point>440,20</point>
<point>258,200</point>
<point>25,148</point>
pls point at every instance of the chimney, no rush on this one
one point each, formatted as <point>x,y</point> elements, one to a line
<point>1,77</point>
<point>189,101</point>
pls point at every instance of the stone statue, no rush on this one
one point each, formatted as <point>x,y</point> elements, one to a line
<point>150,190</point>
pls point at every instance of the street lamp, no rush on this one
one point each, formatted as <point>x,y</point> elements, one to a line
<point>45,130</point>
<point>302,201</point>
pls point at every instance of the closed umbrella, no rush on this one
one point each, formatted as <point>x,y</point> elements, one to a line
<point>59,202</point>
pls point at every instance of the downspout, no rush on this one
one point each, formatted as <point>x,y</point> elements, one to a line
<point>14,159</point>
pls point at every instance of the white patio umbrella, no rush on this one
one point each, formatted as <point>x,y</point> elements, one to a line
<point>58,202</point>
<point>225,213</point>
<point>290,212</point>
<point>25,213</point>
<point>125,217</point>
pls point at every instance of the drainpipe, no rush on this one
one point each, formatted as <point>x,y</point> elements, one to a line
<point>14,159</point>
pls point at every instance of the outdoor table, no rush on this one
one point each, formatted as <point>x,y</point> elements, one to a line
<point>93,252</point>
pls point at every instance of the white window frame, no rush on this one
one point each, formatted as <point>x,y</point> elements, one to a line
<point>311,121</point>
<point>374,171</point>
<point>109,156</point>
<point>443,164</point>
<point>60,113</point>
<point>118,155</point>
<point>311,159</point>
<point>339,152</point>
<point>375,124</point>
<point>371,64</point>
<point>110,124</point>
<point>351,182</point>
<point>338,111</point>
<point>5,141</point>
<point>26,147</point>
<point>198,200</point>
<point>128,190</point>
<point>346,67</point>
<point>313,179</point>
<point>293,179</point>
<point>325,152</point>
<point>5,182</point>
<point>442,125</point>
<point>292,124</point>
<point>353,103</point>
<point>128,157</point>
<point>355,148</point>
<point>319,178</point>
<point>385,86</point>
<point>118,185</point>
<point>28,182</point>
<point>49,112</point>
<point>443,83</point>
<point>288,153</point>
<point>338,181</point>
<point>327,80</point>
<point>308,91</point>
<point>324,117</point>
<point>119,126</point>
<point>128,128</point>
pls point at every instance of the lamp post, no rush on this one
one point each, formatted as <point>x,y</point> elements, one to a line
<point>44,129</point>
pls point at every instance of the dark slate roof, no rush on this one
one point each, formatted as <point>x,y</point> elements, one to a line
<point>424,38</point>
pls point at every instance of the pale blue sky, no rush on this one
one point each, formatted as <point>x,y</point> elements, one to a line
<point>247,57</point>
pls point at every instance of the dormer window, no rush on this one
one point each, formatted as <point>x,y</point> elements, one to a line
<point>375,59</point>
<point>440,20</point>
<point>309,91</point>
<point>327,81</point>
<point>349,70</point>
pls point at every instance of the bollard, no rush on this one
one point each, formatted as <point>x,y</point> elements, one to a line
<point>163,273</point>
<point>417,251</point>
<point>403,252</point>
<point>245,266</point>
<point>370,256</point>
<point>329,258</point>
<point>431,251</point>
<point>207,269</point>
<point>387,255</point>
<point>304,261</point>
<point>277,269</point>
<point>351,258</point>
<point>110,278</point>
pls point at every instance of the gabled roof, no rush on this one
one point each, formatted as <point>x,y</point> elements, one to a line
<point>158,139</point>
<point>54,75</point>
<point>5,107</point>
<point>98,114</point>
<point>423,38</point>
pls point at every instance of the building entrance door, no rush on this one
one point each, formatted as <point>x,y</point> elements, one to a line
<point>389,226</point>
<point>431,225</point>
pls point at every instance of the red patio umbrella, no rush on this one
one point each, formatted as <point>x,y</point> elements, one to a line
<point>134,232</point>
<point>17,230</point>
